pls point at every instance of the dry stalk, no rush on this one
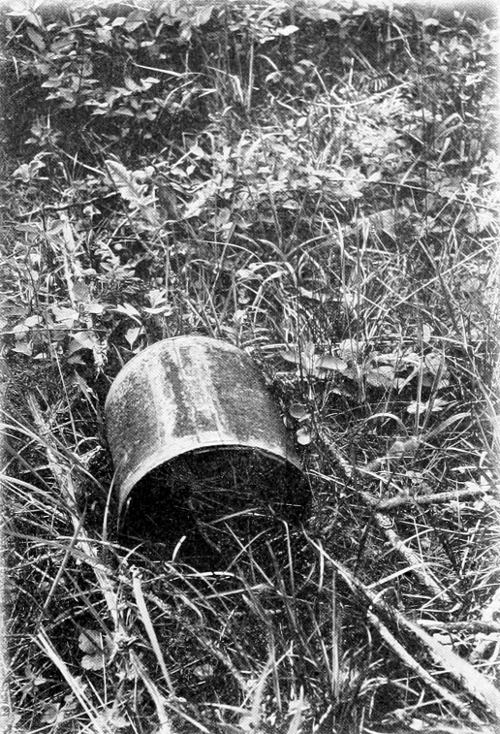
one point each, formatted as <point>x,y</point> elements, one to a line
<point>471,680</point>
<point>386,524</point>
<point>430,499</point>
<point>61,472</point>
<point>492,638</point>
<point>470,626</point>
<point>417,564</point>
<point>419,670</point>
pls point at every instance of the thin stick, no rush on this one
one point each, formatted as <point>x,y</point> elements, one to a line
<point>471,680</point>
<point>471,626</point>
<point>430,499</point>
<point>386,524</point>
<point>146,620</point>
<point>417,564</point>
<point>411,663</point>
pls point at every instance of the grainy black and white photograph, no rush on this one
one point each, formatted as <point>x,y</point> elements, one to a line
<point>249,303</point>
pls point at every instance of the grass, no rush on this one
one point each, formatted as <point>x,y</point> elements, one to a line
<point>325,200</point>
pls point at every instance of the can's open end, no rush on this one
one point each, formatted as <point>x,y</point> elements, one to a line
<point>209,504</point>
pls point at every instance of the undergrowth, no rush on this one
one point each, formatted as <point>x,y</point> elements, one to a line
<point>316,185</point>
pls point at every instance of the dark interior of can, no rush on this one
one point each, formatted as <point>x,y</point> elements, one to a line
<point>218,502</point>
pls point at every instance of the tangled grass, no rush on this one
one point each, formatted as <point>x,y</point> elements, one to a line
<point>316,186</point>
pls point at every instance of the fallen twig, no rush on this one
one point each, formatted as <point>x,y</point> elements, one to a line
<point>470,679</point>
<point>414,560</point>
<point>386,524</point>
<point>411,663</point>
<point>490,613</point>
<point>429,499</point>
<point>471,626</point>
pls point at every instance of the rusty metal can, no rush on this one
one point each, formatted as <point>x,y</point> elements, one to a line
<point>189,395</point>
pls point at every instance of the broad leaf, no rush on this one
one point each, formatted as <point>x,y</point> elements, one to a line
<point>298,411</point>
<point>382,376</point>
<point>124,181</point>
<point>303,436</point>
<point>329,362</point>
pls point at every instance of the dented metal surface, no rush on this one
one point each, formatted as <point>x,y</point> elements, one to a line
<point>188,393</point>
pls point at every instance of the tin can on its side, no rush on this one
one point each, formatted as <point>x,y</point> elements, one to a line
<point>189,394</point>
